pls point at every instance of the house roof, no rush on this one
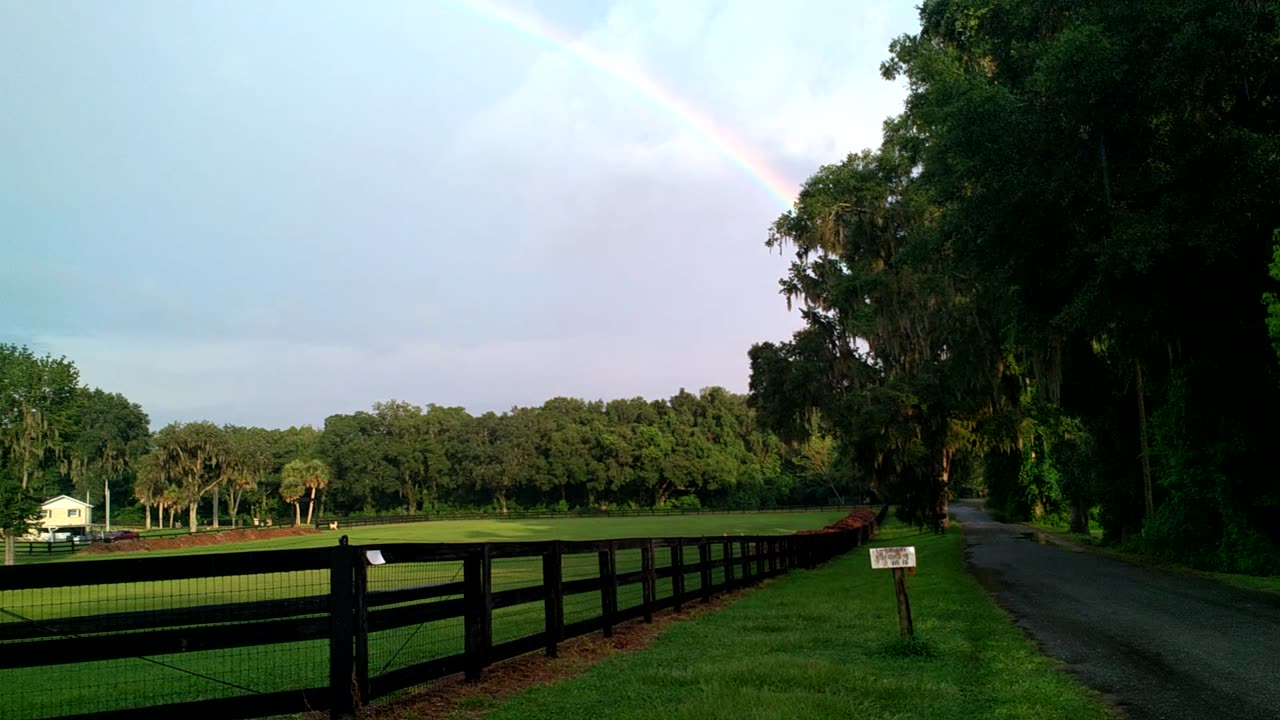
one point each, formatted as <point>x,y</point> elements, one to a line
<point>65,497</point>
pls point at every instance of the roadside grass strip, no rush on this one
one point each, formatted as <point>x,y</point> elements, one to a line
<point>825,644</point>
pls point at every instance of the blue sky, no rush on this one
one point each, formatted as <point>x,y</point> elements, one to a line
<point>266,213</point>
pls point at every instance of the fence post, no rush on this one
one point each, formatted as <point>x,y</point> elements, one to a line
<point>478,610</point>
<point>704,558</point>
<point>552,581</point>
<point>728,565</point>
<point>759,558</point>
<point>677,574</point>
<point>608,587</point>
<point>744,548</point>
<point>649,582</point>
<point>341,655</point>
<point>361,628</point>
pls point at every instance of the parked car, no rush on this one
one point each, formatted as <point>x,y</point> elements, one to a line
<point>121,535</point>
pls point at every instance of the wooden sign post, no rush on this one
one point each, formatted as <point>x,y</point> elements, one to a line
<point>897,559</point>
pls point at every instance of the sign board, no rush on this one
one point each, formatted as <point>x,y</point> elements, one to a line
<point>893,557</point>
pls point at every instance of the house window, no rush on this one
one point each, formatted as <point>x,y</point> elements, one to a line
<point>46,513</point>
<point>73,512</point>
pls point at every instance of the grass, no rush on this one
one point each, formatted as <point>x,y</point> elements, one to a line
<point>447,531</point>
<point>1063,528</point>
<point>135,682</point>
<point>1093,543</point>
<point>824,644</point>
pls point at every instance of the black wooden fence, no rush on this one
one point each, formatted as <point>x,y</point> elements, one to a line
<point>362,520</point>
<point>31,547</point>
<point>252,634</point>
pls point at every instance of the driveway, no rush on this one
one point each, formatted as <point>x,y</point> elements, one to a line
<point>1158,645</point>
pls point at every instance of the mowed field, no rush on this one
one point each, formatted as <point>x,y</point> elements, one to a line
<point>138,681</point>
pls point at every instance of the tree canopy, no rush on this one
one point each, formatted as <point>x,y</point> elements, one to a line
<point>1048,275</point>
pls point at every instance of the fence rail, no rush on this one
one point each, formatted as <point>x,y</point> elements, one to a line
<point>252,634</point>
<point>362,520</point>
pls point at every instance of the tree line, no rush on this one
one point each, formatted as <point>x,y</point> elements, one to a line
<point>60,437</point>
<point>1054,278</point>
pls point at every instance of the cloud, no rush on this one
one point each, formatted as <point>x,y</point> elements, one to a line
<point>281,384</point>
<point>430,207</point>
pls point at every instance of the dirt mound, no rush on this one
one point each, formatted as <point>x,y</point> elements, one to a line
<point>203,538</point>
<point>859,517</point>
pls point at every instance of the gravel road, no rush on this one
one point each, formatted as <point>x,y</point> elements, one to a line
<point>1157,645</point>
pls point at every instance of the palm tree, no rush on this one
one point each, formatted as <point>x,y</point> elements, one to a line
<point>170,499</point>
<point>293,486</point>
<point>316,476</point>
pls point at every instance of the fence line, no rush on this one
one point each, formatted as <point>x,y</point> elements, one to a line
<point>362,520</point>
<point>46,546</point>
<point>252,634</point>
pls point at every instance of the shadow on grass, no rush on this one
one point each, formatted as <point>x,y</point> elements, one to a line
<point>908,648</point>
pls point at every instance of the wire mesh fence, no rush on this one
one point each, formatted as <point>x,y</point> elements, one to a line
<point>85,639</point>
<point>253,634</point>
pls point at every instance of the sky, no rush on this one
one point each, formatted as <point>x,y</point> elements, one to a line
<point>268,213</point>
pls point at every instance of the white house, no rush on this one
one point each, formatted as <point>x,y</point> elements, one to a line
<point>65,513</point>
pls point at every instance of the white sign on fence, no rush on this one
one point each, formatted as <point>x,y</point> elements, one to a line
<point>893,557</point>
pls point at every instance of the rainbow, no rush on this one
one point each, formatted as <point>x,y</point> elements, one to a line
<point>711,136</point>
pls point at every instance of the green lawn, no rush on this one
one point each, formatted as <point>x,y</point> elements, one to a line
<point>447,531</point>
<point>823,644</point>
<point>114,684</point>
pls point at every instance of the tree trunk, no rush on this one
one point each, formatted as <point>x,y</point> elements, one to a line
<point>311,505</point>
<point>942,507</point>
<point>146,512</point>
<point>233,504</point>
<point>1142,428</point>
<point>191,517</point>
<point>831,485</point>
<point>297,513</point>
<point>215,506</point>
<point>502,502</point>
<point>321,510</point>
<point>10,548</point>
<point>1079,517</point>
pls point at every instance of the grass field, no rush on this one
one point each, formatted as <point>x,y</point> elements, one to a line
<point>451,531</point>
<point>114,684</point>
<point>824,644</point>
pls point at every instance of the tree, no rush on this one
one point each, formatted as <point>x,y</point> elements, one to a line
<point>293,487</point>
<point>353,446</point>
<point>1094,162</point>
<point>198,456</point>
<point>149,486</point>
<point>252,454</point>
<point>35,395</point>
<point>105,434</point>
<point>402,434</point>
<point>892,356</point>
<point>315,476</point>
